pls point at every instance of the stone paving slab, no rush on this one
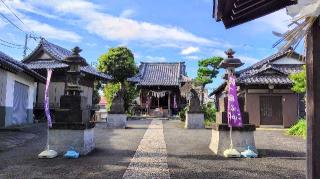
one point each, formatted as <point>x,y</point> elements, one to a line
<point>150,159</point>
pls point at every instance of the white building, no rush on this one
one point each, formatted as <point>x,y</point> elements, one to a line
<point>17,91</point>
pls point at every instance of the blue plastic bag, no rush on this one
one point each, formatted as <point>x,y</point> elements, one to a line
<point>71,154</point>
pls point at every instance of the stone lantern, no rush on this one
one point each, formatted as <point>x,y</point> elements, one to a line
<point>72,127</point>
<point>230,63</point>
<point>75,62</point>
<point>242,136</point>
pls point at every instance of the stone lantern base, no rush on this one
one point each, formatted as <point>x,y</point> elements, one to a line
<point>241,137</point>
<point>194,121</point>
<point>117,121</point>
<point>78,137</point>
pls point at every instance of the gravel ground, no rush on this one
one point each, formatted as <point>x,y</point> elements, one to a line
<point>188,154</point>
<point>190,157</point>
<point>114,150</point>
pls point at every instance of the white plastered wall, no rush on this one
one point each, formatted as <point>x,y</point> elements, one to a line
<point>24,79</point>
<point>3,84</point>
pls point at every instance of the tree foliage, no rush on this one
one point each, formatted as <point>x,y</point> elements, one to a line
<point>119,63</point>
<point>112,88</point>
<point>208,69</point>
<point>299,81</point>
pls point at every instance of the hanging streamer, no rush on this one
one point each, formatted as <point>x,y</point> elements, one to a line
<point>158,94</point>
<point>234,115</point>
<point>46,98</point>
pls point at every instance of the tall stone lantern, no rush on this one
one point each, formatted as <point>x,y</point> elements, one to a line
<point>242,136</point>
<point>72,127</point>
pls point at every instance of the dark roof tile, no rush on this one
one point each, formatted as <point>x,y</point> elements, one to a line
<point>58,54</point>
<point>15,66</point>
<point>161,74</point>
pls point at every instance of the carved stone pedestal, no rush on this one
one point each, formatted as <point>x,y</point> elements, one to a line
<point>241,137</point>
<point>118,121</point>
<point>194,121</point>
<point>62,140</point>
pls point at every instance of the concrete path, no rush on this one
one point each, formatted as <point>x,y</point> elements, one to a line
<point>150,159</point>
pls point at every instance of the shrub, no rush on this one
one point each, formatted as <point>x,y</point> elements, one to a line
<point>182,114</point>
<point>209,112</point>
<point>299,129</point>
<point>112,88</point>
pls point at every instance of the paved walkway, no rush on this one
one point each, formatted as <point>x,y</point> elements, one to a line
<point>150,159</point>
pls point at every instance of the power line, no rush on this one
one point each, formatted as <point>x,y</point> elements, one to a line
<point>4,41</point>
<point>10,46</point>
<point>12,12</point>
<point>12,22</point>
<point>18,18</point>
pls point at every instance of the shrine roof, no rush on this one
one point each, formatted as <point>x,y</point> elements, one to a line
<point>14,66</point>
<point>268,71</point>
<point>161,74</point>
<point>57,55</point>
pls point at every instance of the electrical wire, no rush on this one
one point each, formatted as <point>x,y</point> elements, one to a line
<point>12,12</point>
<point>10,46</point>
<point>12,22</point>
<point>4,41</point>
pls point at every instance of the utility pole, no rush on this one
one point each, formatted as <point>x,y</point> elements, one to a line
<point>27,37</point>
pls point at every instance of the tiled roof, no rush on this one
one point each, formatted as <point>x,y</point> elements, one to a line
<point>15,66</point>
<point>271,59</point>
<point>161,74</point>
<point>266,72</point>
<point>58,54</point>
<point>43,64</point>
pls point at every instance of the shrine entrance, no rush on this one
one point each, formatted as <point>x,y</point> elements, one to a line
<point>158,103</point>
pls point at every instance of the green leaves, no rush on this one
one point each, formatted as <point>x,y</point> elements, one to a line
<point>299,81</point>
<point>119,63</point>
<point>208,69</point>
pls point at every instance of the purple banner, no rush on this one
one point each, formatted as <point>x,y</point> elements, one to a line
<point>46,98</point>
<point>175,106</point>
<point>234,115</point>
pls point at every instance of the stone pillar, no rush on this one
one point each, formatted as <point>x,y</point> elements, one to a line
<point>194,114</point>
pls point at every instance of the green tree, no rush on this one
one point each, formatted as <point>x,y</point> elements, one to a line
<point>208,69</point>
<point>299,81</point>
<point>119,63</point>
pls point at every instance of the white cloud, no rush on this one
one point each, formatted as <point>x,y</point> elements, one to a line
<point>192,57</point>
<point>45,30</point>
<point>121,29</point>
<point>51,32</point>
<point>153,59</point>
<point>127,13</point>
<point>189,50</point>
<point>278,21</point>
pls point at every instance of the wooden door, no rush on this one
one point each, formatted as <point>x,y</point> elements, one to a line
<point>271,110</point>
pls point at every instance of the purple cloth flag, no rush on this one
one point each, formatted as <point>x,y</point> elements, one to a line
<point>46,98</point>
<point>175,106</point>
<point>234,115</point>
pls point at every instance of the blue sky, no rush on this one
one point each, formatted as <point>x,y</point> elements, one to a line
<point>165,30</point>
